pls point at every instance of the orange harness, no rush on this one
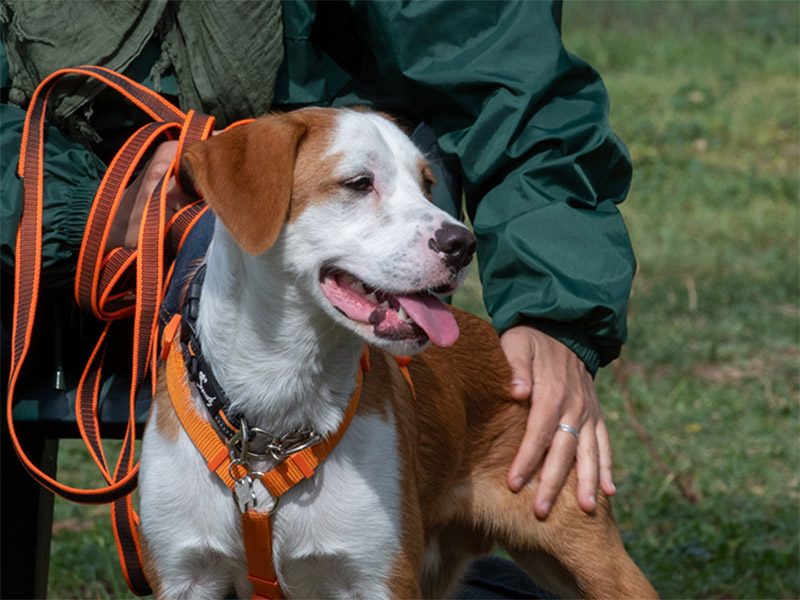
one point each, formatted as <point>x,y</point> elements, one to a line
<point>228,459</point>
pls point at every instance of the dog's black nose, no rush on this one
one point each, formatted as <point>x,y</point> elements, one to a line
<point>456,243</point>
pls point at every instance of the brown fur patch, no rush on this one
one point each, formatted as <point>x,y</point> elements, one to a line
<point>458,437</point>
<point>314,173</point>
<point>247,174</point>
<point>427,180</point>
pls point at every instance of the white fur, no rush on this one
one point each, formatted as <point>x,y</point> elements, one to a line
<point>336,534</point>
<point>287,359</point>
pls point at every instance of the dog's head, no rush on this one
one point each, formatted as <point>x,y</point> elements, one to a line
<point>347,195</point>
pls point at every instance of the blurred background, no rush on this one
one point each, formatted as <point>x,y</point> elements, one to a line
<point>703,405</point>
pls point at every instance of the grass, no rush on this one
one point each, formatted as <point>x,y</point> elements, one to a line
<point>706,95</point>
<point>83,555</point>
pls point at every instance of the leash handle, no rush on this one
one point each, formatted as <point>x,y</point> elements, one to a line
<point>97,279</point>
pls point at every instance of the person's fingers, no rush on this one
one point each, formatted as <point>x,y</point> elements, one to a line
<point>157,167</point>
<point>560,458</point>
<point>535,443</point>
<point>125,229</point>
<point>519,353</point>
<point>126,216</point>
<point>587,467</point>
<point>561,392</point>
<point>605,457</point>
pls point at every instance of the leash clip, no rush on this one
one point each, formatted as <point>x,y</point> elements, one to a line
<point>243,493</point>
<point>238,445</point>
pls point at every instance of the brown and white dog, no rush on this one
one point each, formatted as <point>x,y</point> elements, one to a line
<point>325,239</point>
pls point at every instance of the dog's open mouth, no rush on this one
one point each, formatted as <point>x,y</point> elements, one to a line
<point>416,316</point>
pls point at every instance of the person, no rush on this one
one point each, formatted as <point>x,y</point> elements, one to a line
<point>521,123</point>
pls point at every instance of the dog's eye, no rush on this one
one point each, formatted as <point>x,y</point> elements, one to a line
<point>428,182</point>
<point>362,183</point>
<point>427,186</point>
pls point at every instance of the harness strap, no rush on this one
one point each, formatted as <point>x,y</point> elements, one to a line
<point>201,432</point>
<point>99,285</point>
<point>256,528</point>
<point>283,477</point>
<point>257,534</point>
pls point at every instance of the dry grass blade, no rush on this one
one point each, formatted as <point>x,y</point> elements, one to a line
<point>621,378</point>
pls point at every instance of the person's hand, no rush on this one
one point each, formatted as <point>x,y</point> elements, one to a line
<point>561,391</point>
<point>125,228</point>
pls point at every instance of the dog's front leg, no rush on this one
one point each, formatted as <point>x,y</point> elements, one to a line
<point>341,534</point>
<point>188,522</point>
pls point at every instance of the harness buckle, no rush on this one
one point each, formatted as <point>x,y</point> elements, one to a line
<point>239,443</point>
<point>244,495</point>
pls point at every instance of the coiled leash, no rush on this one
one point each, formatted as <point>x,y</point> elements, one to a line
<point>103,286</point>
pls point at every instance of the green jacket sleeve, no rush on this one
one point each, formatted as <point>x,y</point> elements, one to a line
<point>71,178</point>
<point>542,169</point>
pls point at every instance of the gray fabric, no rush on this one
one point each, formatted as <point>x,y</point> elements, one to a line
<point>225,55</point>
<point>47,35</point>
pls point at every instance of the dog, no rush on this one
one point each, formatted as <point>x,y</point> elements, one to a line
<point>326,239</point>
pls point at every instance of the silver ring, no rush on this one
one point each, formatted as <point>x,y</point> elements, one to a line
<point>568,429</point>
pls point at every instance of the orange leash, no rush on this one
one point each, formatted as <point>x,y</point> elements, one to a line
<point>98,286</point>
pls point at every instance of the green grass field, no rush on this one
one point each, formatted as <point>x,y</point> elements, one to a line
<point>707,97</point>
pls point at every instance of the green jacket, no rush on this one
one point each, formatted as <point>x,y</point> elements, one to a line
<point>542,172</point>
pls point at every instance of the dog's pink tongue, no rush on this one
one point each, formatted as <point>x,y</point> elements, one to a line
<point>432,316</point>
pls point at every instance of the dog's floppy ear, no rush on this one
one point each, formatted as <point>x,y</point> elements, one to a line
<point>246,175</point>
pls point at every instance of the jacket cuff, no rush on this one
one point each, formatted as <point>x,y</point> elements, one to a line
<point>569,335</point>
<point>80,201</point>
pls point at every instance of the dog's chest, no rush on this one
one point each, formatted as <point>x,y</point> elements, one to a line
<point>340,530</point>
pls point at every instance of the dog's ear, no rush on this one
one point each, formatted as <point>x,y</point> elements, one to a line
<point>246,175</point>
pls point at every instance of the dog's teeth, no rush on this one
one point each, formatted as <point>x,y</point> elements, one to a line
<point>402,314</point>
<point>385,304</point>
<point>358,286</point>
<point>372,297</point>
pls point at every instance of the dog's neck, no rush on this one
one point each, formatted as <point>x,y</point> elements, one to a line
<point>282,362</point>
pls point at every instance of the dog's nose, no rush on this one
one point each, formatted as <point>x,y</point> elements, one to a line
<point>456,243</point>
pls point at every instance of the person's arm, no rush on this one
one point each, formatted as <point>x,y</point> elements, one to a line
<point>543,173</point>
<point>72,175</point>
